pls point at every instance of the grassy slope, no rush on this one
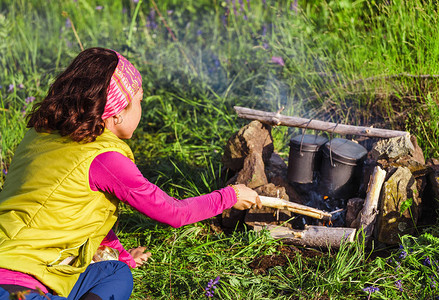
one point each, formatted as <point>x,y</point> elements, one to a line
<point>341,62</point>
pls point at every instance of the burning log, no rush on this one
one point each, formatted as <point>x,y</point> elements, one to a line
<point>294,207</point>
<point>312,236</point>
<point>276,119</point>
<point>369,212</point>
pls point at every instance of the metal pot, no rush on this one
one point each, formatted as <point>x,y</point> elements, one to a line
<point>304,157</point>
<point>341,168</point>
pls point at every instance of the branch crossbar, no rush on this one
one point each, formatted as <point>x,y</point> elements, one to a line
<point>276,119</point>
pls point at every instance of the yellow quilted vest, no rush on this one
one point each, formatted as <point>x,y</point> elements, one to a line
<point>48,211</point>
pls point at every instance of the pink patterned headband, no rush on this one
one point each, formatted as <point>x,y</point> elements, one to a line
<point>125,83</point>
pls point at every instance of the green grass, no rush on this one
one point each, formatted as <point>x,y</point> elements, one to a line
<point>357,62</point>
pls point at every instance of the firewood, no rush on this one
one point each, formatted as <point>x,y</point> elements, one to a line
<point>276,119</point>
<point>369,212</point>
<point>313,236</point>
<point>294,207</point>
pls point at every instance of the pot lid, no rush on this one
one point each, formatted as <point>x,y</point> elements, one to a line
<point>345,150</point>
<point>310,142</point>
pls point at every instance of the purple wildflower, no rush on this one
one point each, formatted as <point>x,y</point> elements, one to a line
<point>398,285</point>
<point>398,265</point>
<point>11,88</point>
<point>216,62</point>
<point>99,7</point>
<point>199,32</point>
<point>248,5</point>
<point>21,86</point>
<point>278,60</point>
<point>29,99</point>
<point>136,1</point>
<point>234,8</point>
<point>427,262</point>
<point>5,172</point>
<point>169,12</point>
<point>371,289</point>
<point>264,30</point>
<point>152,14</point>
<point>151,19</point>
<point>211,286</point>
<point>241,5</point>
<point>68,23</point>
<point>294,6</point>
<point>403,253</point>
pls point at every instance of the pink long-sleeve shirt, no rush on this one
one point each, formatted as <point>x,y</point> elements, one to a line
<point>116,174</point>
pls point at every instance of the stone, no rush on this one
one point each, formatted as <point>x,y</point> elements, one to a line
<point>401,150</point>
<point>433,179</point>
<point>367,171</point>
<point>433,162</point>
<point>353,208</point>
<point>276,163</point>
<point>430,196</point>
<point>232,219</point>
<point>391,221</point>
<point>255,137</point>
<point>392,148</point>
<point>418,154</point>
<point>271,190</point>
<point>253,172</point>
<point>291,192</point>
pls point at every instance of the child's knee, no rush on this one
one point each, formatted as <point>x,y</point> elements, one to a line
<point>124,272</point>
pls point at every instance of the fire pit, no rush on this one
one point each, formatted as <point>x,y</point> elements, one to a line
<point>331,188</point>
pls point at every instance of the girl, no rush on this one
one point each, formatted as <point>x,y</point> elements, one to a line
<point>59,201</point>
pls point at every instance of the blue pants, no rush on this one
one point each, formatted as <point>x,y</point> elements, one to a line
<point>110,280</point>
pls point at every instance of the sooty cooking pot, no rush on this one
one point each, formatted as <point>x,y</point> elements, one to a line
<point>304,158</point>
<point>341,166</point>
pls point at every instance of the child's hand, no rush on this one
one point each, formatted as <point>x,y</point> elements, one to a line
<point>247,197</point>
<point>139,256</point>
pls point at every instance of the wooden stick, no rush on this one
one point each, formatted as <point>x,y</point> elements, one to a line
<point>313,236</point>
<point>276,119</point>
<point>369,212</point>
<point>294,207</point>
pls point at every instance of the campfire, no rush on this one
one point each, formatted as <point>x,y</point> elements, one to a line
<point>330,188</point>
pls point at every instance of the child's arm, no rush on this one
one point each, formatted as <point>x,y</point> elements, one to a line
<point>134,257</point>
<point>114,173</point>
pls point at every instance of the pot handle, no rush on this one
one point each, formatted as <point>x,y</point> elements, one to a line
<point>303,135</point>
<point>330,140</point>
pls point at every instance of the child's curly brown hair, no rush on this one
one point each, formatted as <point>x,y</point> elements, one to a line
<point>76,100</point>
